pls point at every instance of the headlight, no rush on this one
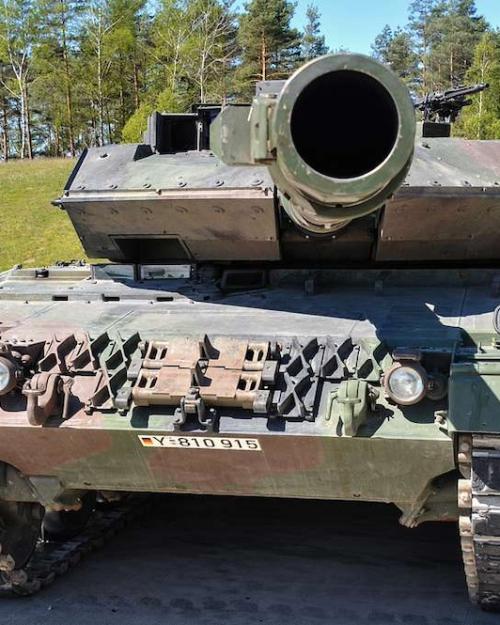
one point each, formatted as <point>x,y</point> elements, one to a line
<point>7,376</point>
<point>406,383</point>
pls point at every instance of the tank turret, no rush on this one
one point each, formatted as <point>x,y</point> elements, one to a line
<point>338,139</point>
<point>322,168</point>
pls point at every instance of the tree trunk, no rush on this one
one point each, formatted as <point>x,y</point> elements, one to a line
<point>20,133</point>
<point>67,79</point>
<point>110,128</point>
<point>202,79</point>
<point>69,112</point>
<point>263,60</point>
<point>5,131</point>
<point>29,138</point>
<point>22,118</point>
<point>123,114</point>
<point>100,92</point>
<point>137,99</point>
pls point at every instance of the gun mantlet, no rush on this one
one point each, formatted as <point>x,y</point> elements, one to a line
<point>338,139</point>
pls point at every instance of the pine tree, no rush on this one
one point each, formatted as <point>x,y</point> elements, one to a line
<point>127,52</point>
<point>456,30</point>
<point>422,16</point>
<point>270,47</point>
<point>313,42</point>
<point>55,65</point>
<point>395,49</point>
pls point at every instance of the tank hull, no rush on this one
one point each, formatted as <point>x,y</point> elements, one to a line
<point>396,455</point>
<point>118,341</point>
<point>110,457</point>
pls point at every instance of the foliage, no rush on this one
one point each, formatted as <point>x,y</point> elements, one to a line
<point>481,120</point>
<point>313,42</point>
<point>421,19</point>
<point>456,30</point>
<point>270,47</point>
<point>80,73</point>
<point>395,49</point>
<point>447,44</point>
<point>19,31</point>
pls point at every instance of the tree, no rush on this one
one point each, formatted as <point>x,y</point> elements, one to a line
<point>481,120</point>
<point>126,47</point>
<point>456,30</point>
<point>270,47</point>
<point>313,42</point>
<point>4,110</point>
<point>97,50</point>
<point>395,49</point>
<point>193,48</point>
<point>54,64</point>
<point>211,46</point>
<point>77,73</point>
<point>422,16</point>
<point>19,30</point>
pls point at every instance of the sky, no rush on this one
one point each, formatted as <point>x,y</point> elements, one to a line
<point>354,24</point>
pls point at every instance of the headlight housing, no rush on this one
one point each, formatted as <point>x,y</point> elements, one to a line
<point>406,383</point>
<point>7,376</point>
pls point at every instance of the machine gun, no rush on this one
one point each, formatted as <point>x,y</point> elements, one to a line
<point>441,109</point>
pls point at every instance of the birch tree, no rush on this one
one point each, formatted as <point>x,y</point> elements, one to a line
<point>97,31</point>
<point>19,30</point>
<point>211,47</point>
<point>481,120</point>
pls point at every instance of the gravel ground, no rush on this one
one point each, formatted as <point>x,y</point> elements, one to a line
<point>209,561</point>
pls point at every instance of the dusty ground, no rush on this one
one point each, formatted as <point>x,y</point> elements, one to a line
<point>212,560</point>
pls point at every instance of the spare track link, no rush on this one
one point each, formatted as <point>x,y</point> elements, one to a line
<point>479,504</point>
<point>53,559</point>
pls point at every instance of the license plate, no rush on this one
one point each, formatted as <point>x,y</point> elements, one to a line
<point>200,442</point>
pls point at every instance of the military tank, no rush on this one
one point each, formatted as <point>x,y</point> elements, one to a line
<point>300,302</point>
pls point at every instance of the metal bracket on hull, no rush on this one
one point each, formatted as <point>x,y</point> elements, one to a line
<point>354,400</point>
<point>193,404</point>
<point>48,394</point>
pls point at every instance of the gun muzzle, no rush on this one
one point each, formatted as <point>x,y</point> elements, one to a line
<point>338,139</point>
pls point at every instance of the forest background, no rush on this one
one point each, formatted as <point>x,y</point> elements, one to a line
<point>80,73</point>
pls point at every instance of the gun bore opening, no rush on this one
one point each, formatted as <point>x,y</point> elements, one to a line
<point>344,124</point>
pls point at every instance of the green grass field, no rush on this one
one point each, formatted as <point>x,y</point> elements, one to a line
<point>32,232</point>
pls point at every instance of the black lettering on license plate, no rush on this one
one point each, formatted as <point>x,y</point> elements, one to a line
<point>200,442</point>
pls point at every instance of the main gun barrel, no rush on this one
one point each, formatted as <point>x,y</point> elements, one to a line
<point>338,139</point>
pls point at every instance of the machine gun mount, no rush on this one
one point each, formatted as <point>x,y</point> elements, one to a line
<point>442,108</point>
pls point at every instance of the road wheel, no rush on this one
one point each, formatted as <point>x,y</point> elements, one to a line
<point>20,524</point>
<point>67,524</point>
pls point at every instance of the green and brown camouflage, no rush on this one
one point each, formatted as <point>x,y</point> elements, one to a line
<point>311,313</point>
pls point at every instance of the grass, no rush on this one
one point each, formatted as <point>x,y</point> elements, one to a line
<point>32,232</point>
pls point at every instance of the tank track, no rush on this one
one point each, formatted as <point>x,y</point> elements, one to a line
<point>52,559</point>
<point>479,505</point>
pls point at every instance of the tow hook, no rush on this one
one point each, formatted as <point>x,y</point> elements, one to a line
<point>48,395</point>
